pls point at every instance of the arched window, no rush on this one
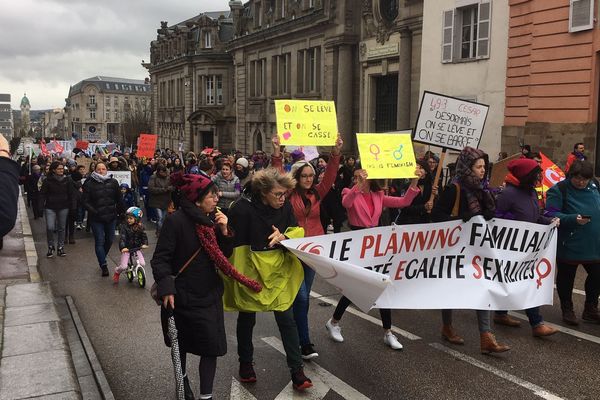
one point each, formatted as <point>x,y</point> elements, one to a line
<point>388,9</point>
<point>258,140</point>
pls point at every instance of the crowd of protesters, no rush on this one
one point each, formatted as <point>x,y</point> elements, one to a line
<point>234,206</point>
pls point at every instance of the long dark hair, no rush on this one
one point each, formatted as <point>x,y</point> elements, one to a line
<point>53,166</point>
<point>303,192</point>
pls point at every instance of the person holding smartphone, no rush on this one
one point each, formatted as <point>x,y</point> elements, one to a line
<point>576,202</point>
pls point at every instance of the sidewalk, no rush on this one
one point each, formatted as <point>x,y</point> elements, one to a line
<point>41,357</point>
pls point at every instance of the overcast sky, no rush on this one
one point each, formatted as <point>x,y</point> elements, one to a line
<point>48,45</point>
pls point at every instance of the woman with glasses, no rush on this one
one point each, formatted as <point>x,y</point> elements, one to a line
<point>58,197</point>
<point>260,222</point>
<point>365,202</point>
<point>305,199</point>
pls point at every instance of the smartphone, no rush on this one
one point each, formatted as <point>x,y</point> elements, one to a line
<point>586,217</point>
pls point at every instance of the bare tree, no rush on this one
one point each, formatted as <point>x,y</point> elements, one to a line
<point>136,119</point>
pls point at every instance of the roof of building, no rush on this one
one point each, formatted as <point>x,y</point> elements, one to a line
<point>25,101</point>
<point>215,15</point>
<point>110,84</point>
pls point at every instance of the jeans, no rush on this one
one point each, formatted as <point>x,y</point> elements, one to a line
<point>80,215</point>
<point>534,315</point>
<point>483,319</point>
<point>565,278</point>
<point>301,305</point>
<point>56,220</point>
<point>287,330</point>
<point>160,216</point>
<point>104,233</point>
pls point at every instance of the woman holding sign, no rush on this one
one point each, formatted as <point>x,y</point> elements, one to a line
<point>305,199</point>
<point>464,198</point>
<point>365,202</point>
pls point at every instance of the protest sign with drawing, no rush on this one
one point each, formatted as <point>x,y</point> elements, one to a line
<point>449,123</point>
<point>481,265</point>
<point>306,122</point>
<point>387,155</point>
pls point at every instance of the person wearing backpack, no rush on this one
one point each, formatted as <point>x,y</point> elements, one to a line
<point>576,202</point>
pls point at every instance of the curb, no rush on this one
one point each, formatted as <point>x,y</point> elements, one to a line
<point>99,376</point>
<point>30,251</point>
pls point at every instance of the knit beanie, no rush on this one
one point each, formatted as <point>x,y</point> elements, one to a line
<point>297,155</point>
<point>299,165</point>
<point>521,167</point>
<point>191,186</point>
<point>242,161</point>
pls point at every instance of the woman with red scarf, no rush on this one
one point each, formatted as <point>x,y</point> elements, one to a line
<point>195,295</point>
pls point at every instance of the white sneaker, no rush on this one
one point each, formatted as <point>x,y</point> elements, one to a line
<point>335,331</point>
<point>391,340</point>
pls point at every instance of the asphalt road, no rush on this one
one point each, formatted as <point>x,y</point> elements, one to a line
<point>124,327</point>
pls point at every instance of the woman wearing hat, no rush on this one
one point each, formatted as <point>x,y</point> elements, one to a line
<point>472,200</point>
<point>518,201</point>
<point>196,232</point>
<point>305,199</point>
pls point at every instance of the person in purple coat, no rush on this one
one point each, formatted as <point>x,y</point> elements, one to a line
<point>519,202</point>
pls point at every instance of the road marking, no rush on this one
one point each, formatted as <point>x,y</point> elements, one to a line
<point>366,317</point>
<point>239,392</point>
<point>322,379</point>
<point>568,331</point>
<point>537,390</point>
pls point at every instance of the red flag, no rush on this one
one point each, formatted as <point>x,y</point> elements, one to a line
<point>57,147</point>
<point>551,175</point>
<point>43,148</point>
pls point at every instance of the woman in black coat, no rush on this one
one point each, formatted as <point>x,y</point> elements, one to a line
<point>102,198</point>
<point>195,294</point>
<point>58,199</point>
<point>419,211</point>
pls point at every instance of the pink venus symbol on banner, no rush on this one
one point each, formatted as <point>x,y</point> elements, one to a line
<point>375,150</point>
<point>545,274</point>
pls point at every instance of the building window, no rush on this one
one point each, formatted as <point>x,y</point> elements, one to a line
<point>92,99</point>
<point>257,15</point>
<point>107,114</point>
<point>388,9</point>
<point>281,76</point>
<point>219,90</point>
<point>257,77</point>
<point>309,70</point>
<point>207,40</point>
<point>116,115</point>
<point>115,102</point>
<point>282,9</point>
<point>311,3</point>
<point>210,90</point>
<point>466,32</point>
<point>92,114</point>
<point>107,101</point>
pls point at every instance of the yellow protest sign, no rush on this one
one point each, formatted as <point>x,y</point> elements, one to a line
<point>306,122</point>
<point>387,155</point>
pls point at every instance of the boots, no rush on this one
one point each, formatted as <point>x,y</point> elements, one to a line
<point>590,313</point>
<point>543,330</point>
<point>568,315</point>
<point>506,320</point>
<point>187,390</point>
<point>450,335</point>
<point>489,344</point>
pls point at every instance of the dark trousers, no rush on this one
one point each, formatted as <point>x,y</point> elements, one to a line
<point>70,230</point>
<point>565,279</point>
<point>287,330</point>
<point>104,233</point>
<point>385,313</point>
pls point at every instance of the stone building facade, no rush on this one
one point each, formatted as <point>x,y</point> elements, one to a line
<point>553,78</point>
<point>192,83</point>
<point>96,107</point>
<point>349,51</point>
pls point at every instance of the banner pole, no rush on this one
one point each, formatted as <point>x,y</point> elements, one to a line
<point>438,173</point>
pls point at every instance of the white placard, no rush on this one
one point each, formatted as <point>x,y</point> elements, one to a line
<point>450,123</point>
<point>121,176</point>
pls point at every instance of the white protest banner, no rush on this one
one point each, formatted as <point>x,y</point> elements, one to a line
<point>495,265</point>
<point>449,123</point>
<point>121,176</point>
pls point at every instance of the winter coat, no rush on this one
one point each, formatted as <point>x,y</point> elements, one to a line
<point>358,211</point>
<point>230,189</point>
<point>309,218</point>
<point>58,193</point>
<point>9,193</point>
<point>577,244</point>
<point>199,288</point>
<point>31,185</point>
<point>131,238</point>
<point>520,204</point>
<point>102,199</point>
<point>160,192</point>
<point>278,271</point>
<point>415,213</point>
<point>145,173</point>
<point>442,209</point>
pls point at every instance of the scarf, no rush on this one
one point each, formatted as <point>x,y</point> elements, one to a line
<point>478,199</point>
<point>205,230</point>
<point>99,178</point>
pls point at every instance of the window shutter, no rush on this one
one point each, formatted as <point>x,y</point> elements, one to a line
<point>483,29</point>
<point>447,35</point>
<point>581,15</point>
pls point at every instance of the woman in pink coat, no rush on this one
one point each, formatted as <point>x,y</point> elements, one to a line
<point>365,202</point>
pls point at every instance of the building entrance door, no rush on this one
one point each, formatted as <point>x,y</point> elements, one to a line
<point>207,139</point>
<point>386,103</point>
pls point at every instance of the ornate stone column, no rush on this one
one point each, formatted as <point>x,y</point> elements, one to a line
<point>404,79</point>
<point>344,94</point>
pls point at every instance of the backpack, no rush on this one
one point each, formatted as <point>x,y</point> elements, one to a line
<point>562,186</point>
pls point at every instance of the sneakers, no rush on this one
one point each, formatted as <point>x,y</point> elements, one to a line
<point>308,351</point>
<point>116,277</point>
<point>61,252</point>
<point>50,252</point>
<point>104,269</point>
<point>335,331</point>
<point>391,340</point>
<point>300,381</point>
<point>79,226</point>
<point>247,374</point>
